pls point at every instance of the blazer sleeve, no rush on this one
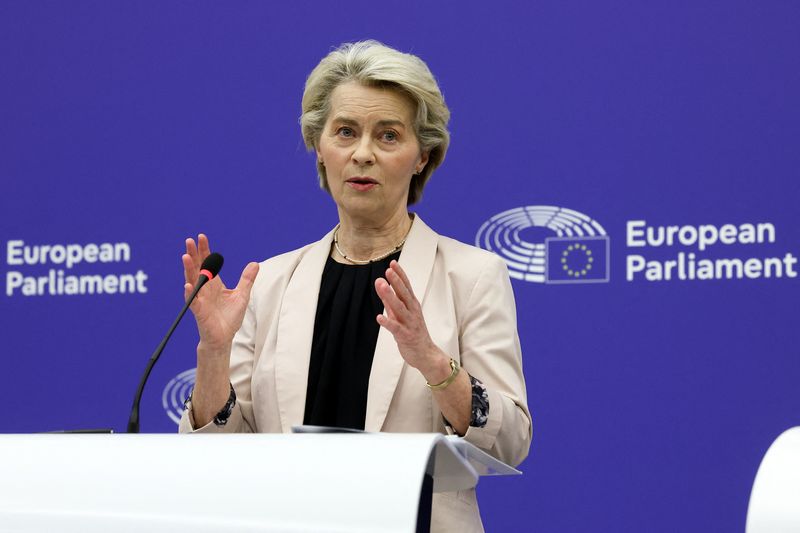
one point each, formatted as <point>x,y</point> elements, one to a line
<point>490,351</point>
<point>241,369</point>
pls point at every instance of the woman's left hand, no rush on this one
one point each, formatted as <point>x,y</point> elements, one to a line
<point>404,320</point>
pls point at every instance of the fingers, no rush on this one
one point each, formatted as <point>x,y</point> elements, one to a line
<point>248,277</point>
<point>395,309</point>
<point>202,246</point>
<point>196,253</point>
<point>394,265</point>
<point>387,323</point>
<point>191,248</point>
<point>190,268</point>
<point>404,320</point>
<point>396,293</point>
<point>214,293</point>
<point>401,285</point>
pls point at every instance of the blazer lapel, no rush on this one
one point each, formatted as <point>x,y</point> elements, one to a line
<point>417,257</point>
<point>296,331</point>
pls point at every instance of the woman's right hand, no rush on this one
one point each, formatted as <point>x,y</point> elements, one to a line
<point>218,311</point>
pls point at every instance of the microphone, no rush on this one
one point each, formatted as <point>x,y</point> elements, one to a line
<point>208,271</point>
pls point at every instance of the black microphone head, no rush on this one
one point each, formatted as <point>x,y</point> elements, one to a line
<point>212,265</point>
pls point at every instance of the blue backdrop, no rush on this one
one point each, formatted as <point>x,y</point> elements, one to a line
<point>653,399</point>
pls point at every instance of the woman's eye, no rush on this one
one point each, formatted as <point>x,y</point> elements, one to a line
<point>345,132</point>
<point>389,136</point>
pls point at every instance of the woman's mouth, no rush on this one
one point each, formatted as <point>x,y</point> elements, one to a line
<point>361,183</point>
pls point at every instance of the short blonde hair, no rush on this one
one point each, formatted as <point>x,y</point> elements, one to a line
<point>376,65</point>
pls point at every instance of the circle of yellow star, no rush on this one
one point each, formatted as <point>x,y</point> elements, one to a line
<point>582,252</point>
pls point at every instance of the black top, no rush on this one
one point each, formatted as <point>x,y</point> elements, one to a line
<point>345,334</point>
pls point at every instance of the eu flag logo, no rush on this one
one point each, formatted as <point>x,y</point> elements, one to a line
<point>577,259</point>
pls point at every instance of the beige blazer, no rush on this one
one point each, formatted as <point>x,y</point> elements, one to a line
<point>469,309</point>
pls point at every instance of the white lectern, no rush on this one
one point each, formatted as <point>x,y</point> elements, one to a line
<point>212,483</point>
<point>775,501</point>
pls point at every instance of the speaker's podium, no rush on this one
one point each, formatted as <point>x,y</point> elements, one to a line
<point>346,482</point>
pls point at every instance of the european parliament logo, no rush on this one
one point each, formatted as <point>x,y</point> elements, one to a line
<point>548,244</point>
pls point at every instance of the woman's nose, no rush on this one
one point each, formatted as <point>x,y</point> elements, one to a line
<point>364,153</point>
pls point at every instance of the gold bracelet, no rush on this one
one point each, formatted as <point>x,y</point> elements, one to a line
<point>454,369</point>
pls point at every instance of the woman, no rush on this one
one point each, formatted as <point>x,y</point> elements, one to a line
<point>400,310</point>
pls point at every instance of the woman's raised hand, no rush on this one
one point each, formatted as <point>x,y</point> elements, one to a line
<point>405,322</point>
<point>218,311</point>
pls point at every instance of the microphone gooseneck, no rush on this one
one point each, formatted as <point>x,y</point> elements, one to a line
<point>208,271</point>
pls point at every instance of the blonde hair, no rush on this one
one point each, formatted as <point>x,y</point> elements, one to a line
<point>376,65</point>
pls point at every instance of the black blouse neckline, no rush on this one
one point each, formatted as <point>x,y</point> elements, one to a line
<point>343,346</point>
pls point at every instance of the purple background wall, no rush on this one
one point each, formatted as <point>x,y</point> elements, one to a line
<point>653,401</point>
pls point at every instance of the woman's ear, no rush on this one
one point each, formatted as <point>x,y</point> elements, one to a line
<point>423,160</point>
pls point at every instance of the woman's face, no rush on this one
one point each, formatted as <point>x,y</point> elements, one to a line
<point>370,151</point>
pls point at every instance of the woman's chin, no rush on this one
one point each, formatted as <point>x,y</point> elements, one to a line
<point>370,209</point>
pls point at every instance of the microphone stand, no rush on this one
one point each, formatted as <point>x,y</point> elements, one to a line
<point>211,266</point>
